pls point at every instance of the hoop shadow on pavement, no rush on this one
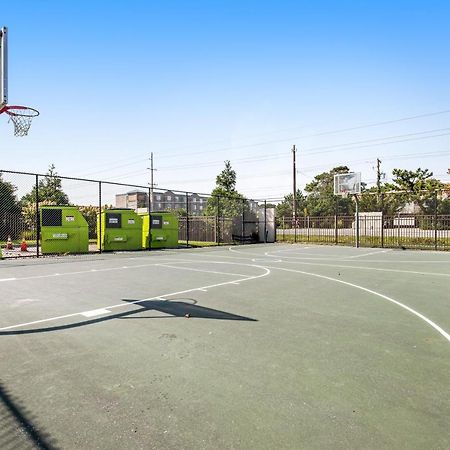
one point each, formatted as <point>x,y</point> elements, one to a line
<point>183,308</point>
<point>172,309</point>
<point>17,429</point>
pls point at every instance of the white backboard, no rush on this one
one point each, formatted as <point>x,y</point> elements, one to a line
<point>3,65</point>
<point>347,183</point>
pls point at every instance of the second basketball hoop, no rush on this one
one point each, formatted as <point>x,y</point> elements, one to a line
<point>347,183</point>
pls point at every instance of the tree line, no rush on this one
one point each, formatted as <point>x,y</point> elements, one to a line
<point>413,187</point>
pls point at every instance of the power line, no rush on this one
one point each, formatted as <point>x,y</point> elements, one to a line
<point>323,149</point>
<point>139,159</point>
<point>323,133</point>
<point>311,150</point>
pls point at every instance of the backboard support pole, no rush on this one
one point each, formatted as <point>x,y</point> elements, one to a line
<point>3,65</point>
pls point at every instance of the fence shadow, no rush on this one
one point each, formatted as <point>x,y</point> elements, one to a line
<point>18,428</point>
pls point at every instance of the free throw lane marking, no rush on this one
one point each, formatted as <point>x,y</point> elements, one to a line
<point>265,273</point>
<point>95,312</point>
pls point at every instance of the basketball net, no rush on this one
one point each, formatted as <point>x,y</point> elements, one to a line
<point>21,119</point>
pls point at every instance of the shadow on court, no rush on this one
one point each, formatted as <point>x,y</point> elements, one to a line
<point>183,308</point>
<point>172,309</point>
<point>18,430</point>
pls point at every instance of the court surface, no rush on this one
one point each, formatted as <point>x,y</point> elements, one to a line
<point>249,347</point>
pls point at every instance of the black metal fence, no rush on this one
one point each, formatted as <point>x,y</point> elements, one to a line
<point>419,231</point>
<point>203,219</point>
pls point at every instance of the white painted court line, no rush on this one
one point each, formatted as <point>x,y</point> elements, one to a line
<point>95,312</point>
<point>275,254</point>
<point>377,269</point>
<point>265,273</point>
<point>259,255</point>
<point>392,261</point>
<point>81,272</point>
<point>306,261</point>
<point>378,294</point>
<point>405,261</point>
<point>35,322</point>
<point>200,270</point>
<point>369,254</point>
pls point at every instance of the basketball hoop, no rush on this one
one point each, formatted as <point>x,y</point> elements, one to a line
<point>346,184</point>
<point>21,117</point>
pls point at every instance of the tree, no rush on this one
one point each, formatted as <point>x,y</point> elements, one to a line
<point>225,201</point>
<point>414,180</point>
<point>29,216</point>
<point>9,209</point>
<point>372,200</point>
<point>49,190</point>
<point>285,208</point>
<point>227,178</point>
<point>417,186</point>
<point>321,200</point>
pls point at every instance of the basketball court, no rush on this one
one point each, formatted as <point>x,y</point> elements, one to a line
<point>257,346</point>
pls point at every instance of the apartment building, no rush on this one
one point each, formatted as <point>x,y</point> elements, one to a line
<point>162,201</point>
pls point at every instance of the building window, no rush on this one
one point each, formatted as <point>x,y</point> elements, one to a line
<point>158,197</point>
<point>169,198</point>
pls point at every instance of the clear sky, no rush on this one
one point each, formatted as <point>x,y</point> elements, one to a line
<point>199,82</point>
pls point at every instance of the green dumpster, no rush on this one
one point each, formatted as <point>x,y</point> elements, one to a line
<point>121,229</point>
<point>159,230</point>
<point>63,230</point>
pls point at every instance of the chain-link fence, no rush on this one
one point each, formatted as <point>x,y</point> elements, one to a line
<point>51,214</point>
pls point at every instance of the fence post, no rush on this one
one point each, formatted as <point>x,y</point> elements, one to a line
<point>295,227</point>
<point>435,221</point>
<point>150,200</point>
<point>336,222</point>
<point>265,221</point>
<point>308,226</point>
<point>382,220</point>
<point>357,220</point>
<point>38,222</point>
<point>218,221</point>
<point>99,237</point>
<point>243,218</point>
<point>282,221</point>
<point>187,219</point>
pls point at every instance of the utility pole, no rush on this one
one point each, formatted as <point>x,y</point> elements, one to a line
<point>380,175</point>
<point>150,200</point>
<point>294,178</point>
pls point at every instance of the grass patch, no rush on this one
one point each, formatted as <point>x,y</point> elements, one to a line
<point>198,243</point>
<point>370,241</point>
